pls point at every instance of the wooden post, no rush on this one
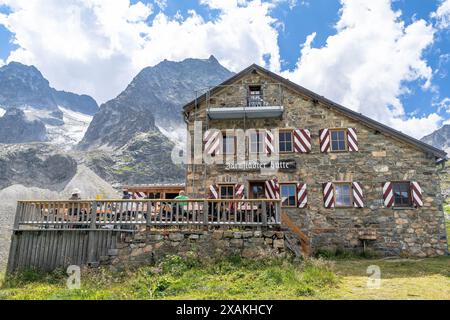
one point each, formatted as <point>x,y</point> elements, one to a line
<point>149,214</point>
<point>205,213</point>
<point>264,213</point>
<point>278,212</point>
<point>18,216</point>
<point>92,238</point>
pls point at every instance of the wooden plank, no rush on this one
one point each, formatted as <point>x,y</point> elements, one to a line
<point>12,257</point>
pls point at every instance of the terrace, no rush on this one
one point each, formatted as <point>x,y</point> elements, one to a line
<point>130,215</point>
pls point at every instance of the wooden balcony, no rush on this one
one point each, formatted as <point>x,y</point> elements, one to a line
<point>130,214</point>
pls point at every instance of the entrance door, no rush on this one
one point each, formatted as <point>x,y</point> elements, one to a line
<point>257,190</point>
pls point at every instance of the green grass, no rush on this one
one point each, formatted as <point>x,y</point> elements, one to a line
<point>176,278</point>
<point>235,278</point>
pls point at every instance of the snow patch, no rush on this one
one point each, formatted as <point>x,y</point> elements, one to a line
<point>65,132</point>
<point>72,131</point>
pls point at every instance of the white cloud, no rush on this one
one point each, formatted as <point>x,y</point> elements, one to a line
<point>442,15</point>
<point>162,4</point>
<point>97,46</point>
<point>2,63</point>
<point>444,105</point>
<point>367,63</point>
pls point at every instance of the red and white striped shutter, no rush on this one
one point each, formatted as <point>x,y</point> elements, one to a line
<point>302,140</point>
<point>138,195</point>
<point>272,189</point>
<point>302,195</point>
<point>416,192</point>
<point>239,191</point>
<point>352,139</point>
<point>325,141</point>
<point>269,142</point>
<point>328,195</point>
<point>214,191</point>
<point>388,194</point>
<point>358,197</point>
<point>212,142</point>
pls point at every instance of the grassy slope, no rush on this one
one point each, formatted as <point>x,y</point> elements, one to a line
<point>243,279</point>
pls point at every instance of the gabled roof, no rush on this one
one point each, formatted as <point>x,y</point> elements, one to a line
<point>440,154</point>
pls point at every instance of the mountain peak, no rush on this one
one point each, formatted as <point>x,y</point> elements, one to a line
<point>157,95</point>
<point>213,59</point>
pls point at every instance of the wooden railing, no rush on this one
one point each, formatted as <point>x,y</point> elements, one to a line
<point>129,214</point>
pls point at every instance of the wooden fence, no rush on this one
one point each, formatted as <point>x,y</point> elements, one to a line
<point>51,249</point>
<point>129,214</point>
<point>52,234</point>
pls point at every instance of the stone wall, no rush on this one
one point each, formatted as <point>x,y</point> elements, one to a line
<point>151,246</point>
<point>411,231</point>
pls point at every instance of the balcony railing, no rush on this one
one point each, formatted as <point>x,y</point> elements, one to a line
<point>130,214</point>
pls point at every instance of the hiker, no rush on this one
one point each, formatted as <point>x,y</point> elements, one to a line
<point>75,195</point>
<point>126,195</point>
<point>181,196</point>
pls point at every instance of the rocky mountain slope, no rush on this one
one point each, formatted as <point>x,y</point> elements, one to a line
<point>16,128</point>
<point>131,138</point>
<point>24,88</point>
<point>153,99</point>
<point>439,138</point>
<point>22,85</point>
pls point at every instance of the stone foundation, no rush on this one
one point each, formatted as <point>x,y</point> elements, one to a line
<point>151,246</point>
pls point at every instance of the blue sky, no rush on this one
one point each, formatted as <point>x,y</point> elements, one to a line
<point>392,68</point>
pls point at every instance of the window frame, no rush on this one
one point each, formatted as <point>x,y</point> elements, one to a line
<point>335,184</point>
<point>224,137</point>
<point>226,185</point>
<point>295,194</point>
<point>292,140</point>
<point>250,95</point>
<point>345,139</point>
<point>251,183</point>
<point>410,202</point>
<point>260,134</point>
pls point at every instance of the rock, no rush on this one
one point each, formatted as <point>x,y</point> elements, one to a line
<point>113,252</point>
<point>236,243</point>
<point>176,236</point>
<point>237,235</point>
<point>247,234</point>
<point>228,234</point>
<point>278,243</point>
<point>257,234</point>
<point>268,234</point>
<point>155,237</point>
<point>217,234</point>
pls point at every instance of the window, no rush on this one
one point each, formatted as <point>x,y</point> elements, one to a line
<point>285,141</point>
<point>256,142</point>
<point>254,96</point>
<point>154,195</point>
<point>288,195</point>
<point>338,140</point>
<point>228,144</point>
<point>402,194</point>
<point>343,194</point>
<point>257,190</point>
<point>226,192</point>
